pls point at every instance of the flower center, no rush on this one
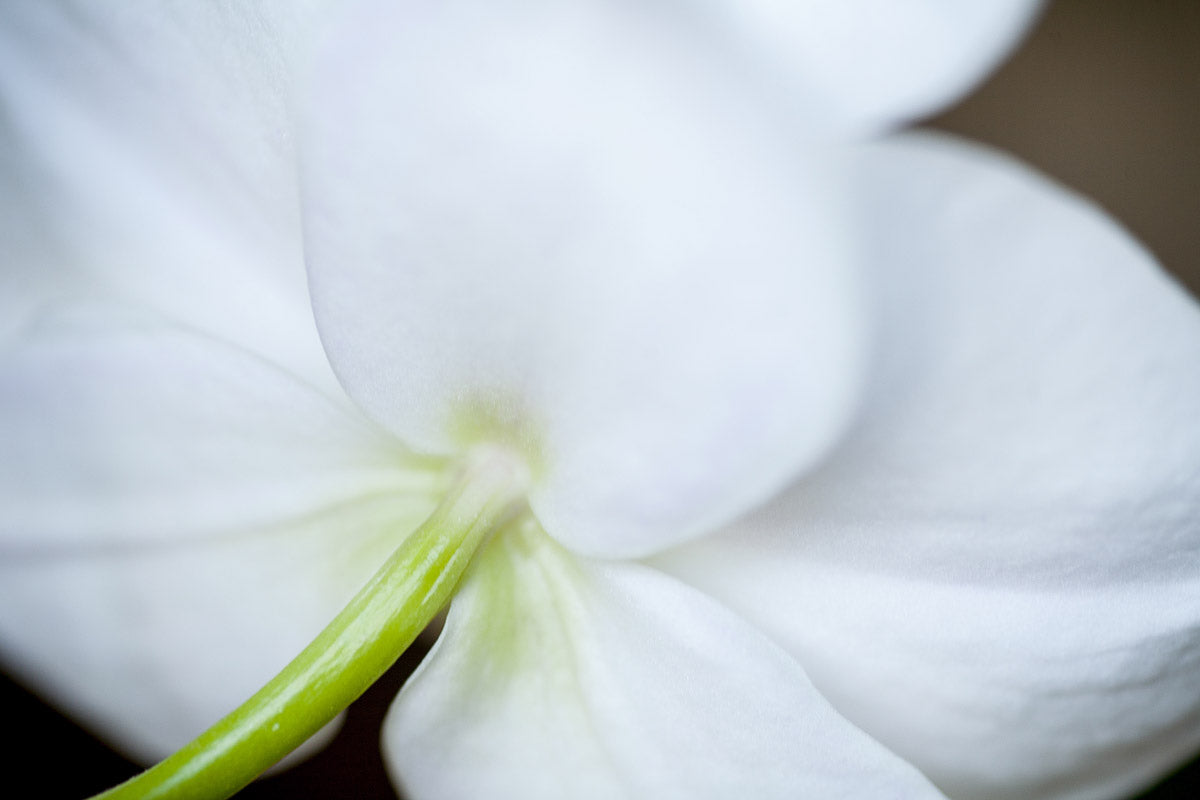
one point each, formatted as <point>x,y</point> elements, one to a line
<point>494,422</point>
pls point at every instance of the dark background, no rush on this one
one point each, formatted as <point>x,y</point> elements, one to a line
<point>1105,96</point>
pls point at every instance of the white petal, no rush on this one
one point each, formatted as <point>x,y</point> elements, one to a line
<point>1034,385</point>
<point>145,433</point>
<point>146,153</point>
<point>564,678</point>
<point>210,85</point>
<point>568,227</point>
<point>148,646</point>
<point>857,66</point>
<point>178,519</point>
<point>998,574</point>
<point>993,692</point>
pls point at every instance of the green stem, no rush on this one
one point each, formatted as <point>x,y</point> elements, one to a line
<point>351,653</point>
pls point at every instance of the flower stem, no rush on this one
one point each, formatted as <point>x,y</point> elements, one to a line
<point>361,643</point>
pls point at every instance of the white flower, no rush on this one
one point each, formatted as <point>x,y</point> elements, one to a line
<point>853,471</point>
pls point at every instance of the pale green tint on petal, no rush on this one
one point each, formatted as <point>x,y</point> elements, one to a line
<point>361,643</point>
<point>146,155</point>
<point>575,222</point>
<point>858,66</point>
<point>558,677</point>
<point>117,432</point>
<point>177,519</point>
<point>998,572</point>
<point>148,645</point>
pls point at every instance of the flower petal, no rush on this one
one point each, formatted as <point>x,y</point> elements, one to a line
<point>201,90</point>
<point>568,227</point>
<point>146,154</point>
<point>998,575</point>
<point>565,678</point>
<point>993,692</point>
<point>179,519</point>
<point>148,646</point>
<point>862,66</point>
<point>139,432</point>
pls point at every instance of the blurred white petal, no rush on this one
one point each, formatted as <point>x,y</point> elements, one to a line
<point>146,154</point>
<point>116,433</point>
<point>860,66</point>
<point>150,645</point>
<point>180,519</point>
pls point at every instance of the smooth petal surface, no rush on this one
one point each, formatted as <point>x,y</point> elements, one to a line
<point>564,678</point>
<point>179,519</point>
<point>570,228</point>
<point>139,432</point>
<point>859,66</point>
<point>145,153</point>
<point>148,646</point>
<point>994,693</point>
<point>998,574</point>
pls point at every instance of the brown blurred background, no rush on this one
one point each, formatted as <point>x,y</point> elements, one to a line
<point>1104,95</point>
